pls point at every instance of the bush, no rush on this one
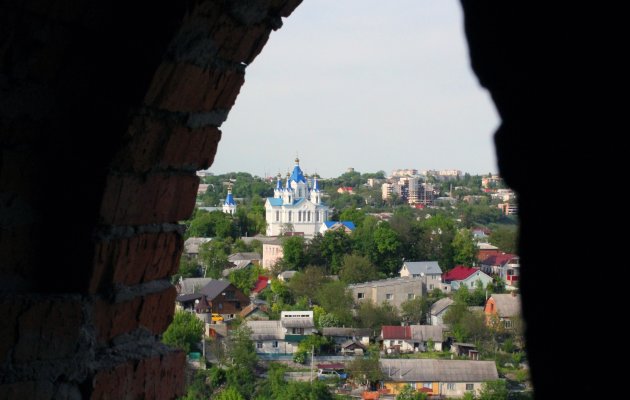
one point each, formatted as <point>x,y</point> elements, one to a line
<point>300,357</point>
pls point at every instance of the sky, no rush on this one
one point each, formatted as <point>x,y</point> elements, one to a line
<point>365,84</point>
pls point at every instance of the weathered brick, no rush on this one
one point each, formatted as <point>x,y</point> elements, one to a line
<point>157,309</point>
<point>189,88</point>
<point>239,43</point>
<point>167,145</point>
<point>113,319</point>
<point>156,198</point>
<point>158,377</point>
<point>130,261</point>
<point>48,329</point>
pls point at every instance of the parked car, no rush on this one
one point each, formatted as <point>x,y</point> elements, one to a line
<point>216,317</point>
<point>330,374</point>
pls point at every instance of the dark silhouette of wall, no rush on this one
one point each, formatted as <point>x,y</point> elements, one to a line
<point>107,109</point>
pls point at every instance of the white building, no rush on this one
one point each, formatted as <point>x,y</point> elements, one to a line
<point>296,207</point>
<point>229,205</point>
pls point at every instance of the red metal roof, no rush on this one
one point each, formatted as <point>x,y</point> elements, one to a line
<point>459,273</point>
<point>261,284</point>
<point>498,259</point>
<point>331,366</point>
<point>396,332</point>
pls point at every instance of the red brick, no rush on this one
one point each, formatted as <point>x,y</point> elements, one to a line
<point>111,320</point>
<point>239,43</point>
<point>157,310</point>
<point>48,329</point>
<point>157,198</point>
<point>189,88</point>
<point>141,258</point>
<point>156,143</point>
<point>159,377</point>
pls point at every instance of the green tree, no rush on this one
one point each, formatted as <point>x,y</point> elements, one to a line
<point>294,256</point>
<point>505,238</point>
<point>414,311</point>
<point>334,245</point>
<point>373,316</point>
<point>245,278</point>
<point>230,393</point>
<point>243,359</point>
<point>307,283</point>
<point>185,332</point>
<point>465,250</point>
<point>188,268</point>
<point>337,300</point>
<point>352,214</point>
<point>356,268</point>
<point>366,370</point>
<point>408,393</point>
<point>494,390</point>
<point>214,257</point>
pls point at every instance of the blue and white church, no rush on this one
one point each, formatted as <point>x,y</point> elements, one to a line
<point>296,206</point>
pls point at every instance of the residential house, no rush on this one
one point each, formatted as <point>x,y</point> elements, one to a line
<point>506,307</point>
<point>272,253</point>
<point>255,311</point>
<point>192,245</point>
<point>429,270</point>
<point>346,226</point>
<point>439,309</point>
<point>284,336</point>
<point>486,249</point>
<point>394,290</point>
<point>349,340</point>
<point>254,258</point>
<point>411,338</point>
<point>493,263</point>
<point>467,277</point>
<point>346,190</point>
<point>216,297</point>
<point>286,276</point>
<point>447,378</point>
<point>465,349</point>
<point>261,284</point>
<point>191,285</point>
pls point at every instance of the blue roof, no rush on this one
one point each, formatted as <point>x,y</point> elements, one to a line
<point>297,175</point>
<point>315,185</point>
<point>347,224</point>
<point>275,201</point>
<point>229,200</point>
<point>279,184</point>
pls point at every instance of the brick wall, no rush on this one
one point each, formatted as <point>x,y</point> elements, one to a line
<point>108,109</point>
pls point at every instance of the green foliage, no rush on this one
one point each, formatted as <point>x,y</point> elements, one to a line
<point>212,224</point>
<point>352,214</point>
<point>505,238</point>
<point>188,268</point>
<point>231,393</point>
<point>337,300</point>
<point>299,356</point>
<point>184,332</point>
<point>294,254</point>
<point>333,246</point>
<point>308,282</point>
<point>366,370</point>
<point>494,390</point>
<point>356,268</point>
<point>314,342</point>
<point>214,257</point>
<point>245,278</point>
<point>199,389</point>
<point>465,250</point>
<point>375,316</point>
<point>414,311</point>
<point>243,359</point>
<point>217,376</point>
<point>329,320</point>
<point>408,393</point>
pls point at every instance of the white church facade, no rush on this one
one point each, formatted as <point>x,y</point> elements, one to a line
<point>296,206</point>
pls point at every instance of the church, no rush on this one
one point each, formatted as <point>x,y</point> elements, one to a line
<point>296,206</point>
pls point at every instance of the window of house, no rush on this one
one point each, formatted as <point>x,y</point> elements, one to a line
<point>297,331</point>
<point>427,385</point>
<point>431,287</point>
<point>277,215</point>
<point>450,386</point>
<point>308,215</point>
<point>411,296</point>
<point>360,295</point>
<point>289,216</point>
<point>389,296</point>
<point>470,386</point>
<point>316,217</point>
<point>259,345</point>
<point>274,344</point>
<point>507,323</point>
<point>399,341</point>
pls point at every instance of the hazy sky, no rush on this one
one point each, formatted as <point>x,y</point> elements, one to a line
<point>366,84</point>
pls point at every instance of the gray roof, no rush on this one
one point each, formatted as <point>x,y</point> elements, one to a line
<point>426,370</point>
<point>298,322</point>
<point>191,245</point>
<point>261,238</point>
<point>423,267</point>
<point>238,264</point>
<point>386,282</point>
<point>265,330</point>
<point>508,305</point>
<point>192,285</point>
<point>287,274</point>
<point>213,288</point>
<point>359,332</point>
<point>244,257</point>
<point>441,305</point>
<point>426,332</point>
